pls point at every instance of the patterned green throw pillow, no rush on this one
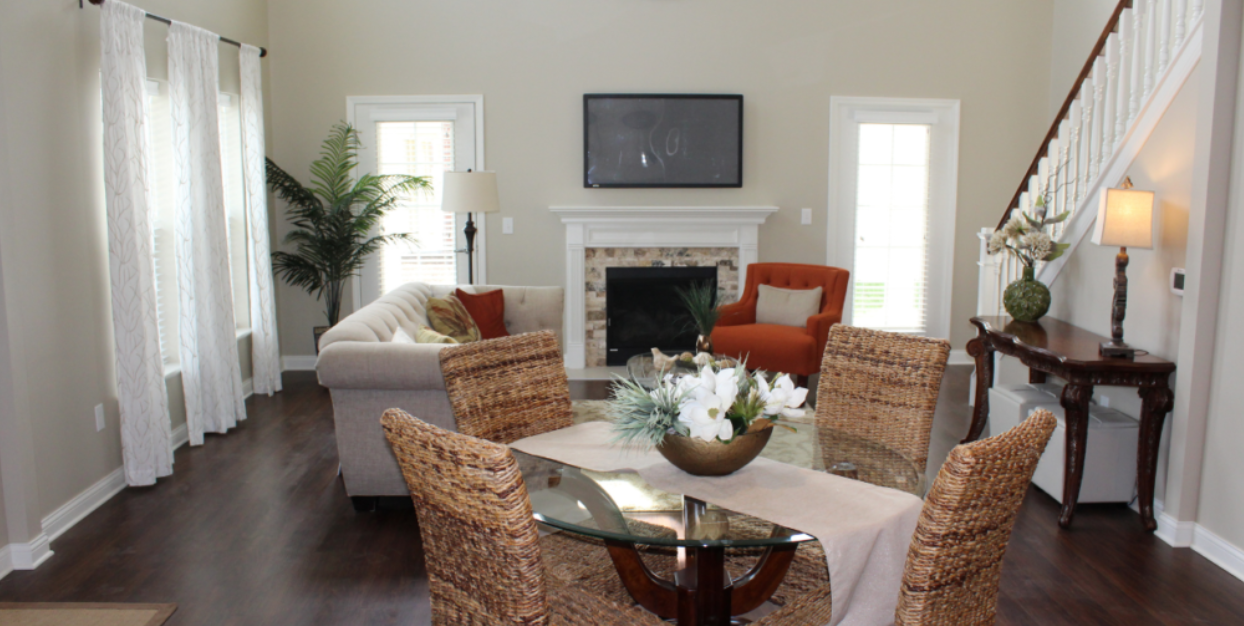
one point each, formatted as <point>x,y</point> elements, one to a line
<point>427,335</point>
<point>448,317</point>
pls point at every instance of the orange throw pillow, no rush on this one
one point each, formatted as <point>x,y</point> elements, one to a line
<point>488,311</point>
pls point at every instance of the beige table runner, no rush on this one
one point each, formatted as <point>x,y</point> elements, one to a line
<point>864,529</point>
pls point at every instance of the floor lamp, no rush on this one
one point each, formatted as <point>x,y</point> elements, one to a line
<point>1124,219</point>
<point>470,192</point>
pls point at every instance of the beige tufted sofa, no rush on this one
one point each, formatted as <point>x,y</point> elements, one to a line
<point>367,373</point>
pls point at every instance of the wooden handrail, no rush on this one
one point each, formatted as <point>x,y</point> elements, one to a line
<point>1098,50</point>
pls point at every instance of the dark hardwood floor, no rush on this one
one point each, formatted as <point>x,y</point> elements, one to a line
<point>254,528</point>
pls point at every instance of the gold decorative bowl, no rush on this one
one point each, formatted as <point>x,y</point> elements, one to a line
<point>713,458</point>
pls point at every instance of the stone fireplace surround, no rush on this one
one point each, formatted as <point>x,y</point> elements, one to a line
<point>724,236</point>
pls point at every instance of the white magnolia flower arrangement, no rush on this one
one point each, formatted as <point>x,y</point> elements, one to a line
<point>715,404</point>
<point>1025,236</point>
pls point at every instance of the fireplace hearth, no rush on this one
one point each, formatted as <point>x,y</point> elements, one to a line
<point>643,310</point>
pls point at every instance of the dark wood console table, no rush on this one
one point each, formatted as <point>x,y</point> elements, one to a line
<point>1050,346</point>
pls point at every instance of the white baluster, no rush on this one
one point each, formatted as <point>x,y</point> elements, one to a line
<point>1151,45</point>
<point>1110,106</point>
<point>1075,119</point>
<point>1180,9</point>
<point>1041,183</point>
<point>1086,136</point>
<point>1135,83</point>
<point>1061,188</point>
<point>1197,9</point>
<point>1122,97</point>
<point>1164,34</point>
<point>1095,139</point>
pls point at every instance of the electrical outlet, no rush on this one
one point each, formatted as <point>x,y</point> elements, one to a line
<point>807,216</point>
<point>99,417</point>
<point>507,226</point>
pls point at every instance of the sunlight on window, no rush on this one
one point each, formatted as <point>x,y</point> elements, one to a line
<point>418,149</point>
<point>891,227</point>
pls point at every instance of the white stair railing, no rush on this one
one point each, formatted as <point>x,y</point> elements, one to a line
<point>1148,49</point>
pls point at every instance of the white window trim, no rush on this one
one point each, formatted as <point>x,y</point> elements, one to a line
<point>481,221</point>
<point>846,113</point>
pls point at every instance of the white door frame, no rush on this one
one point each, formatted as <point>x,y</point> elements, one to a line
<point>481,239</point>
<point>846,114</point>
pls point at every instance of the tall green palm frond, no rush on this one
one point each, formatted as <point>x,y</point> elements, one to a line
<point>336,218</point>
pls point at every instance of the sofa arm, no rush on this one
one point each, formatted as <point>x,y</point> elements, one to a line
<point>818,326</point>
<point>738,313</point>
<point>380,365</point>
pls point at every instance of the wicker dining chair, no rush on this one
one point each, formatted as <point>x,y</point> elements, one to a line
<point>506,389</point>
<point>482,547</point>
<point>955,559</point>
<point>881,386</point>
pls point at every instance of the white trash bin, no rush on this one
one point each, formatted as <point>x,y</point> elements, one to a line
<point>1010,404</point>
<point>1109,460</point>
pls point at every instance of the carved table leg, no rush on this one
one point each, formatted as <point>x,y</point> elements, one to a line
<point>1156,402</point>
<point>983,352</point>
<point>703,593</point>
<point>1075,403</point>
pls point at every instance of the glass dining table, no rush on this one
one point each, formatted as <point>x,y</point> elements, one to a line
<point>625,512</point>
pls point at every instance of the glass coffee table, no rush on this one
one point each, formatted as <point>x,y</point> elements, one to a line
<point>642,369</point>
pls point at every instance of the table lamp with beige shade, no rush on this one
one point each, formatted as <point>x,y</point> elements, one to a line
<point>470,192</point>
<point>1124,219</point>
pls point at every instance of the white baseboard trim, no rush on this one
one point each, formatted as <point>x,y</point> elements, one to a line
<point>27,556</point>
<point>181,435</point>
<point>298,363</point>
<point>248,388</point>
<point>1219,551</point>
<point>64,517</point>
<point>960,357</point>
<point>6,561</point>
<point>1202,540</point>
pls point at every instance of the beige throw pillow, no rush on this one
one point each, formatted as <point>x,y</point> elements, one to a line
<point>787,307</point>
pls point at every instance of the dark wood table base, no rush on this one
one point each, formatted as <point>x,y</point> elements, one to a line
<point>1071,353</point>
<point>702,593</point>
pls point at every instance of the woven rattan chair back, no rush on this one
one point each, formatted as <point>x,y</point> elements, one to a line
<point>881,386</point>
<point>505,389</point>
<point>481,543</point>
<point>955,559</point>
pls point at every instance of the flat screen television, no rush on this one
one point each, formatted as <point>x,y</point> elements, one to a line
<point>662,140</point>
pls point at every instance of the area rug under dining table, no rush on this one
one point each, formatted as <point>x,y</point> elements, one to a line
<point>865,529</point>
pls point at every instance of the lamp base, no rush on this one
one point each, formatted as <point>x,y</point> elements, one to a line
<point>1120,350</point>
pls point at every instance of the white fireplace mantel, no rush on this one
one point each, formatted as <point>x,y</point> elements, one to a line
<point>648,227</point>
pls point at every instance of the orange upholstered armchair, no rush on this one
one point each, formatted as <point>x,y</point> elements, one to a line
<point>774,347</point>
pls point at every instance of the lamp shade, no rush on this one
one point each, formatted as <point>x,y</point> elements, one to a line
<point>470,192</point>
<point>1125,219</point>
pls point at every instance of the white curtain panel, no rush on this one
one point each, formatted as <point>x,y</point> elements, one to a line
<point>210,373</point>
<point>146,438</point>
<point>265,345</point>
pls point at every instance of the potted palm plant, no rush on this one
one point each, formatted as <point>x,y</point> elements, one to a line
<point>336,220</point>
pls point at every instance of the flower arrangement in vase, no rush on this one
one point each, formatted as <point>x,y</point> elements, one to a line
<point>700,300</point>
<point>710,423</point>
<point>1024,236</point>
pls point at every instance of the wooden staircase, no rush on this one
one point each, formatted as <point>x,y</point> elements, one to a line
<point>1142,59</point>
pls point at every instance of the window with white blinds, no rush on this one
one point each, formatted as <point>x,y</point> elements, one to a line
<point>891,227</point>
<point>163,183</point>
<point>893,185</point>
<point>418,148</point>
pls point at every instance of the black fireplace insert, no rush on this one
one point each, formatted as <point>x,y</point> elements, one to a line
<point>644,311</point>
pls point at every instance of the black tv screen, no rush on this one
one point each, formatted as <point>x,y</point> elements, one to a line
<point>662,140</point>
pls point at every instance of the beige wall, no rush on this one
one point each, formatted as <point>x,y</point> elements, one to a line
<point>534,60</point>
<point>52,227</point>
<point>1221,502</point>
<point>1077,27</point>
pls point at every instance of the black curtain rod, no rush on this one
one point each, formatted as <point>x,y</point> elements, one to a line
<point>263,52</point>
